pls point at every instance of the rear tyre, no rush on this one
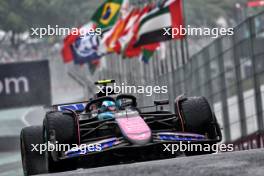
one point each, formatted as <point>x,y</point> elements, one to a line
<point>199,118</point>
<point>32,161</point>
<point>63,128</point>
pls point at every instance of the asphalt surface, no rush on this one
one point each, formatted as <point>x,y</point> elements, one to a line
<point>10,164</point>
<point>35,116</point>
<point>242,163</point>
<point>11,123</point>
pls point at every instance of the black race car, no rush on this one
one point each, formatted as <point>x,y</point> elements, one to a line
<point>112,129</point>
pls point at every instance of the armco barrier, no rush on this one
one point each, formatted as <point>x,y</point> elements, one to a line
<point>253,141</point>
<point>229,72</point>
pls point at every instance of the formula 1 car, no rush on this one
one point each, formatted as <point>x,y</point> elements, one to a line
<point>115,130</point>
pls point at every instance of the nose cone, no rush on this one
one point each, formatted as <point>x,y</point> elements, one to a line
<point>139,138</point>
<point>134,128</point>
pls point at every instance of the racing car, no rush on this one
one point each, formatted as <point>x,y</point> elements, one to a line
<point>113,129</point>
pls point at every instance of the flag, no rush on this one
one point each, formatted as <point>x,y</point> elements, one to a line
<point>166,15</point>
<point>257,3</point>
<point>128,30</point>
<point>109,41</point>
<point>128,41</point>
<point>132,51</point>
<point>107,14</point>
<point>110,38</point>
<point>146,56</point>
<point>80,47</point>
<point>83,48</point>
<point>67,50</point>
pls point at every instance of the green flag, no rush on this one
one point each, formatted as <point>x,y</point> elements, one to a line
<point>146,55</point>
<point>107,14</point>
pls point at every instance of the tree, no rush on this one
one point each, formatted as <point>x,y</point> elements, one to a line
<point>19,16</point>
<point>206,12</point>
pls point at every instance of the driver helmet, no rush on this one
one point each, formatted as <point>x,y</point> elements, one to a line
<point>108,106</point>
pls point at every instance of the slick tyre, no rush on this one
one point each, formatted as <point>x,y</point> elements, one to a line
<point>32,161</point>
<point>62,128</point>
<point>199,118</point>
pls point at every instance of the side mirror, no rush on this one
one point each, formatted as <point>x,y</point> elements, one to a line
<point>161,102</point>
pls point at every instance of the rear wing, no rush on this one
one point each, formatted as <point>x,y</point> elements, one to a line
<point>75,106</point>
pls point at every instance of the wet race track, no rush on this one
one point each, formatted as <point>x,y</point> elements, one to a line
<point>240,163</point>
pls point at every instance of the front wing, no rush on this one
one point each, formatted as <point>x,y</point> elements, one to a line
<point>121,142</point>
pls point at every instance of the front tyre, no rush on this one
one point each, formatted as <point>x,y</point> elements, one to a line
<point>60,127</point>
<point>32,161</point>
<point>199,118</point>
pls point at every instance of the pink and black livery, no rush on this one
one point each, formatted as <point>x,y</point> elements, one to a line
<point>128,133</point>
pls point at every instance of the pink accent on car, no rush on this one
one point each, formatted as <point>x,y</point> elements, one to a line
<point>135,129</point>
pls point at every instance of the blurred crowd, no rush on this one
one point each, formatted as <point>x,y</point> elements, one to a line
<point>28,52</point>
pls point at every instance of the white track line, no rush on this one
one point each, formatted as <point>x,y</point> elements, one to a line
<point>23,118</point>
